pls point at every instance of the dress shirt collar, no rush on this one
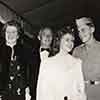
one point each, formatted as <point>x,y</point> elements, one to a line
<point>91,45</point>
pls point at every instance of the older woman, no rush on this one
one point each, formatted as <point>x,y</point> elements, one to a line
<point>60,76</point>
<point>13,63</point>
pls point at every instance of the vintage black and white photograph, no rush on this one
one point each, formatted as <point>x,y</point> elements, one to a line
<point>49,50</point>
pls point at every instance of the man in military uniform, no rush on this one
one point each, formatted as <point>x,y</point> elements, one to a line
<point>13,63</point>
<point>89,52</point>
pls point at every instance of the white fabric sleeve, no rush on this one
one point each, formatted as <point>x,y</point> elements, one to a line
<point>43,87</point>
<point>79,82</point>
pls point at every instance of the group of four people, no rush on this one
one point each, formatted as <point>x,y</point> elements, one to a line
<point>60,76</point>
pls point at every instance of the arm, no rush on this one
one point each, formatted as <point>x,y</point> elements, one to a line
<point>76,52</point>
<point>44,89</point>
<point>80,86</point>
<point>33,64</point>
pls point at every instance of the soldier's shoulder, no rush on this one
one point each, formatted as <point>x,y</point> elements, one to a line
<point>79,47</point>
<point>98,43</point>
<point>77,60</point>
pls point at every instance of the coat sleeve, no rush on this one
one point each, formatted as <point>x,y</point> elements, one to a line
<point>33,71</point>
<point>79,83</point>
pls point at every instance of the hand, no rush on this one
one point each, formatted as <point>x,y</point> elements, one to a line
<point>27,94</point>
<point>18,91</point>
<point>0,97</point>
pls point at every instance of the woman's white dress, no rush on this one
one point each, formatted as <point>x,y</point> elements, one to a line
<point>60,76</point>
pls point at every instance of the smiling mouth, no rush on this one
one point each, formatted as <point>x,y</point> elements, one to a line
<point>82,37</point>
<point>70,47</point>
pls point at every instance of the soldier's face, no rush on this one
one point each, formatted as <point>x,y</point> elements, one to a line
<point>11,34</point>
<point>85,33</point>
<point>67,42</point>
<point>46,38</point>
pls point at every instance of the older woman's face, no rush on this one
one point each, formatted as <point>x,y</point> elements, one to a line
<point>11,34</point>
<point>67,42</point>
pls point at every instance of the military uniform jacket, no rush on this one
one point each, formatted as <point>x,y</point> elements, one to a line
<point>90,58</point>
<point>90,67</point>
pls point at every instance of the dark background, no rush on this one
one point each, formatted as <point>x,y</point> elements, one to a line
<point>54,13</point>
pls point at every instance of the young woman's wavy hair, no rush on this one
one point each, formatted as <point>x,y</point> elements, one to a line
<point>62,32</point>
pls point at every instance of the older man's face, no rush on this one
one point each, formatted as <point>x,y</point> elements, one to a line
<point>46,38</point>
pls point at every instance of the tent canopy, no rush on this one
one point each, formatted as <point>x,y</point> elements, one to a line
<point>53,12</point>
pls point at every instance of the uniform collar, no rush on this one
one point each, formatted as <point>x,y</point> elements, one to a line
<point>91,45</point>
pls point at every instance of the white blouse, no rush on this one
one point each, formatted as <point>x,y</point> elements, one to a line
<point>61,76</point>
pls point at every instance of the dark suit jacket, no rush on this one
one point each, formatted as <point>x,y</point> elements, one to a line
<point>34,64</point>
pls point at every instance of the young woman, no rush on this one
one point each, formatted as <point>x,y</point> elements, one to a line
<point>60,76</point>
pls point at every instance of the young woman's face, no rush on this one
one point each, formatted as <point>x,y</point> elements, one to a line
<point>11,34</point>
<point>67,42</point>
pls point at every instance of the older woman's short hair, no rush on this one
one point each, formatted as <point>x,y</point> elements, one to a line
<point>13,23</point>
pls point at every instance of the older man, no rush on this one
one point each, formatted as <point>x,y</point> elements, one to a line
<point>46,40</point>
<point>89,52</point>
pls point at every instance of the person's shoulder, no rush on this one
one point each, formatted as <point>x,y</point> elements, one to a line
<point>47,64</point>
<point>51,59</point>
<point>98,43</point>
<point>79,47</point>
<point>78,50</point>
<point>77,65</point>
<point>76,60</point>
